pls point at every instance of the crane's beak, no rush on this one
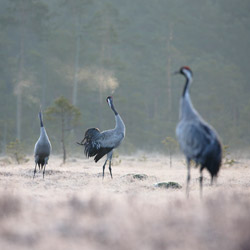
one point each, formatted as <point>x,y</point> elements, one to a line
<point>176,73</point>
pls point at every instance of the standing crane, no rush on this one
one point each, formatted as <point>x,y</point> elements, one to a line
<point>42,148</point>
<point>198,140</point>
<point>98,143</point>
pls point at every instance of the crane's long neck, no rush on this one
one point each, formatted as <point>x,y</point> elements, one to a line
<point>187,85</point>
<point>187,110</point>
<point>119,124</point>
<point>41,119</point>
<point>43,133</point>
<point>113,108</point>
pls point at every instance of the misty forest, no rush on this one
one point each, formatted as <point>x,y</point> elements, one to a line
<point>82,51</point>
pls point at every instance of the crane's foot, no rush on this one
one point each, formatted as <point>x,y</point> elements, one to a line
<point>110,171</point>
<point>111,175</point>
<point>44,170</point>
<point>188,181</point>
<point>201,185</point>
<point>34,171</point>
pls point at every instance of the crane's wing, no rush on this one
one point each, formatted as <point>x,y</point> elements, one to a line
<point>195,138</point>
<point>95,143</point>
<point>107,141</point>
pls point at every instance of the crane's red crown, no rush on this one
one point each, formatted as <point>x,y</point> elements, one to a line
<point>186,67</point>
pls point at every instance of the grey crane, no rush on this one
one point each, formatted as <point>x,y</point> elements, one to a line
<point>198,140</point>
<point>98,143</point>
<point>42,148</point>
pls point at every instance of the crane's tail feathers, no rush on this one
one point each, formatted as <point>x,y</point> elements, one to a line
<point>91,134</point>
<point>91,145</point>
<point>213,158</point>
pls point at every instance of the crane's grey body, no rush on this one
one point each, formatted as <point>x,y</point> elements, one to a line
<point>42,148</point>
<point>98,143</point>
<point>112,138</point>
<point>198,140</point>
<point>195,136</point>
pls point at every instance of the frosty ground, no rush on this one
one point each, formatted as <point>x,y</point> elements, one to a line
<point>74,208</point>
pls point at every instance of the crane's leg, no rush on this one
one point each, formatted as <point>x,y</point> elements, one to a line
<point>34,171</point>
<point>212,181</point>
<point>110,170</point>
<point>201,181</point>
<point>188,177</point>
<point>103,168</point>
<point>44,170</point>
<point>110,159</point>
<point>44,166</point>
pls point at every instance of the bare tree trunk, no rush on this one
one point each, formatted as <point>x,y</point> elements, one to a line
<point>169,90</point>
<point>44,85</point>
<point>100,101</point>
<point>170,157</point>
<point>77,52</point>
<point>45,77</point>
<point>18,113</point>
<point>64,152</point>
<point>20,77</point>
<point>4,138</point>
<point>19,90</point>
<point>169,85</point>
<point>63,140</point>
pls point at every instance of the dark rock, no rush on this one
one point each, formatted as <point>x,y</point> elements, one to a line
<point>167,185</point>
<point>133,177</point>
<point>140,176</point>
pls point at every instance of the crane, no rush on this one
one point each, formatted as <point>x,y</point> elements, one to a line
<point>42,148</point>
<point>98,143</point>
<point>197,139</point>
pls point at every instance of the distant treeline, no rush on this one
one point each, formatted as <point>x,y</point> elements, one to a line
<point>86,50</point>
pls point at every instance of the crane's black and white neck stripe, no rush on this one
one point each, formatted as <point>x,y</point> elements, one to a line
<point>41,118</point>
<point>119,124</point>
<point>187,110</point>
<point>111,105</point>
<point>188,74</point>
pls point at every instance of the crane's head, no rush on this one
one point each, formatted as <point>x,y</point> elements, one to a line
<point>186,71</point>
<point>109,100</point>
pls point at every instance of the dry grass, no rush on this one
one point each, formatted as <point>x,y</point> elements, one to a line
<point>73,208</point>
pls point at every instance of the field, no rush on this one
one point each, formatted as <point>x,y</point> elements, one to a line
<point>73,208</point>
